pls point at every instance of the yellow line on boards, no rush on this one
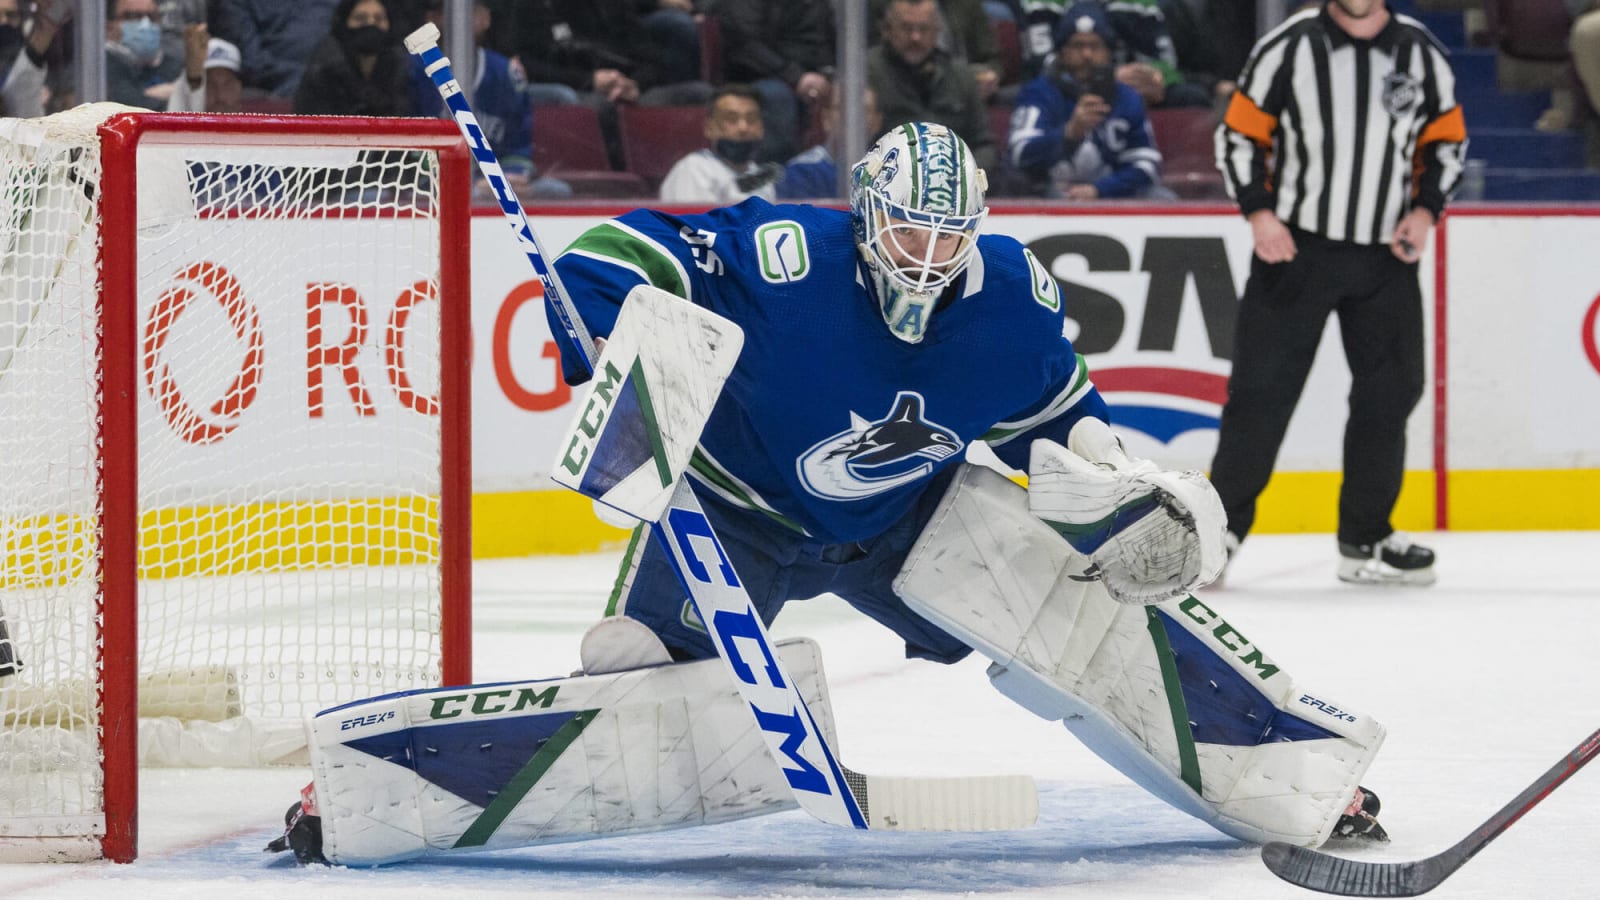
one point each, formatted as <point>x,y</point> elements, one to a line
<point>225,540</point>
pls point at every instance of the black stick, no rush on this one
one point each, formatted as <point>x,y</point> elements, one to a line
<point>1329,874</point>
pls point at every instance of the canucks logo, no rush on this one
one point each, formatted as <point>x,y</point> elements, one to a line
<point>872,457</point>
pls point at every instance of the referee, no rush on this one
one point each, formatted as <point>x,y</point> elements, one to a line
<point>1340,146</point>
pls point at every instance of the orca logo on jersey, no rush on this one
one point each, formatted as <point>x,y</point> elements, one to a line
<point>872,457</point>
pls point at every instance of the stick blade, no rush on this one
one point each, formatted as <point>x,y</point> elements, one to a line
<point>971,803</point>
<point>1350,878</point>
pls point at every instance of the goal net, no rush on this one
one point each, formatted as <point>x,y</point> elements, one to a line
<point>234,472</point>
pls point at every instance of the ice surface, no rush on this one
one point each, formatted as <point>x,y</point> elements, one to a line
<point>1484,681</point>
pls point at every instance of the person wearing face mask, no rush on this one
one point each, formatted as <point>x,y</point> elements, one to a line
<point>360,69</point>
<point>23,66</point>
<point>137,72</point>
<point>726,172</point>
<point>211,82</point>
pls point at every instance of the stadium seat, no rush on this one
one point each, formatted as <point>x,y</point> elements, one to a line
<point>267,106</point>
<point>655,137</point>
<point>1000,128</point>
<point>1530,29</point>
<point>1185,137</point>
<point>567,144</point>
<point>1009,43</point>
<point>710,50</point>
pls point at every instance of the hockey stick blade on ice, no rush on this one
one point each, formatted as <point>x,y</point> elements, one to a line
<point>1350,878</point>
<point>822,786</point>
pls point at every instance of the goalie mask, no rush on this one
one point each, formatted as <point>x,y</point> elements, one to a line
<point>916,202</point>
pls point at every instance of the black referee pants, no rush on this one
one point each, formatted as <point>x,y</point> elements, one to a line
<point>1281,319</point>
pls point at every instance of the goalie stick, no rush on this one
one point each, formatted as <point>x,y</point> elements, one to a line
<point>1351,878</point>
<point>822,786</point>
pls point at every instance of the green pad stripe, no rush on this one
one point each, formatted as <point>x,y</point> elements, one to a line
<point>652,427</point>
<point>1188,759</point>
<point>490,820</point>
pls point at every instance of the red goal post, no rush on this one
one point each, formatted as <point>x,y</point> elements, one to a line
<point>234,372</point>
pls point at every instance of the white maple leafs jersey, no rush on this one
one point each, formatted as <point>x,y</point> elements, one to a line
<point>828,422</point>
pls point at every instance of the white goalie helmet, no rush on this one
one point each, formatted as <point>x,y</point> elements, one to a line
<point>916,201</point>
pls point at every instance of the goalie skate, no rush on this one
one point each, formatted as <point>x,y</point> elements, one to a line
<point>1394,560</point>
<point>1360,820</point>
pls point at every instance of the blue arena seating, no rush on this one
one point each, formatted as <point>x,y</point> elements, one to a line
<point>1519,163</point>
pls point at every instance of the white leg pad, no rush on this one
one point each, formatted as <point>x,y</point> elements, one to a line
<point>1172,695</point>
<point>511,765</point>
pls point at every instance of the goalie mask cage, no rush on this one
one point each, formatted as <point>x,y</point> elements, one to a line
<point>234,445</point>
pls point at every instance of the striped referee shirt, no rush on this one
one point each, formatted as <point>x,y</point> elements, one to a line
<point>1342,137</point>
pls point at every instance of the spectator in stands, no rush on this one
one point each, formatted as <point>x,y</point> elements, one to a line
<point>1077,133</point>
<point>814,173</point>
<point>596,48</point>
<point>916,80</point>
<point>23,66</point>
<point>138,73</point>
<point>785,50</point>
<point>174,16</point>
<point>210,81</point>
<point>275,39</point>
<point>594,52</point>
<point>1230,31</point>
<point>1147,58</point>
<point>1142,48</point>
<point>502,110</point>
<point>360,69</point>
<point>674,24</point>
<point>1199,55</point>
<point>727,172</point>
<point>967,33</point>
<point>406,16</point>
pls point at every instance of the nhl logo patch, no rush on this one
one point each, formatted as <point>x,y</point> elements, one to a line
<point>1402,93</point>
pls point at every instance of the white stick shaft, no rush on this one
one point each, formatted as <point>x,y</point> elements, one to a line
<point>424,42</point>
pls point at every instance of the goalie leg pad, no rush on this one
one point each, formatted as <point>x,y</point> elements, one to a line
<point>493,766</point>
<point>1172,695</point>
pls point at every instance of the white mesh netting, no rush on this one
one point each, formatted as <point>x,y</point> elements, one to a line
<point>288,449</point>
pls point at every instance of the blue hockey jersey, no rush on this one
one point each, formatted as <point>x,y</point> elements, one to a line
<point>828,422</point>
<point>1119,157</point>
